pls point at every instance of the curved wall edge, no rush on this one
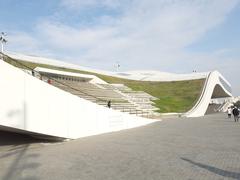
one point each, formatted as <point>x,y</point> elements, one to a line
<point>31,105</point>
<point>213,79</point>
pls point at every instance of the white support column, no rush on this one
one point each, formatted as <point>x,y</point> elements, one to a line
<point>3,40</point>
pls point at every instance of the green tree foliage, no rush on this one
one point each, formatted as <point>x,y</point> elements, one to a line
<point>237,104</point>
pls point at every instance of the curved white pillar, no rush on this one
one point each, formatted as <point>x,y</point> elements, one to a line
<point>216,86</point>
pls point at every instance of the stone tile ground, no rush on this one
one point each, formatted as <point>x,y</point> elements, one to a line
<point>194,148</point>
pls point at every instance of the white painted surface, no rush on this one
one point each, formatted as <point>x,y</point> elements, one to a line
<point>32,105</point>
<point>229,102</point>
<point>201,106</point>
<point>142,75</point>
<point>198,110</point>
<point>93,79</point>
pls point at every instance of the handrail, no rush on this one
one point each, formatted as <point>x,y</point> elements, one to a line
<point>60,82</point>
<point>55,80</point>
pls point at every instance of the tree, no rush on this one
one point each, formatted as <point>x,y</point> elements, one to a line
<point>237,104</point>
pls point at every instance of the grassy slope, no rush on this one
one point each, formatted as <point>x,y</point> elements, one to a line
<point>177,96</point>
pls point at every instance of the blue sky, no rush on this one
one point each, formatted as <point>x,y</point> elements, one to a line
<point>166,35</point>
<point>223,36</point>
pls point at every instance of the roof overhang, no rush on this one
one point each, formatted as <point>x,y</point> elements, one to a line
<point>90,78</point>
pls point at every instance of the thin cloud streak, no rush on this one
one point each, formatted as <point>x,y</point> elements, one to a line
<point>147,34</point>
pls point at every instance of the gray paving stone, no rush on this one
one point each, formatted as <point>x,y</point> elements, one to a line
<point>192,149</point>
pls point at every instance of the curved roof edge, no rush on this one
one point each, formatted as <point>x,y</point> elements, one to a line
<point>215,83</point>
<point>141,75</point>
<point>215,86</point>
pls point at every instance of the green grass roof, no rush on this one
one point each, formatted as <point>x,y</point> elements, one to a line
<point>175,96</point>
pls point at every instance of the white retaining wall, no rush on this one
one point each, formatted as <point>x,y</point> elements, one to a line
<point>32,105</point>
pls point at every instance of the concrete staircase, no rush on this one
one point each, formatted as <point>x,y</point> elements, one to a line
<point>100,94</point>
<point>140,99</point>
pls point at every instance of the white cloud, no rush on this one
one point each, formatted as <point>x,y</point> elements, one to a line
<point>152,31</point>
<point>66,37</point>
<point>147,30</point>
<point>79,4</point>
<point>27,44</point>
<point>22,41</point>
<point>147,34</point>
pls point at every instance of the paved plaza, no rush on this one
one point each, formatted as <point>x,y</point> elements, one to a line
<point>180,148</point>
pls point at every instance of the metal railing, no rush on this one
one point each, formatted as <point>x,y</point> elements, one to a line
<point>33,73</point>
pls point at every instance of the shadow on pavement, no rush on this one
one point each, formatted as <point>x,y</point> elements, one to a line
<point>22,162</point>
<point>11,138</point>
<point>221,172</point>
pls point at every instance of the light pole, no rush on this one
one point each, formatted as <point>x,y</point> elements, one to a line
<point>3,41</point>
<point>117,66</point>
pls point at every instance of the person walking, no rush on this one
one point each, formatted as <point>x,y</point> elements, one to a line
<point>109,104</point>
<point>229,112</point>
<point>235,112</point>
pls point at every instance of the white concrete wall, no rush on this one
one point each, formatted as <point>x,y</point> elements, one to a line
<point>29,104</point>
<point>93,79</point>
<point>201,106</point>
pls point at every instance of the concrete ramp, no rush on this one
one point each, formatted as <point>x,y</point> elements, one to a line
<point>30,105</point>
